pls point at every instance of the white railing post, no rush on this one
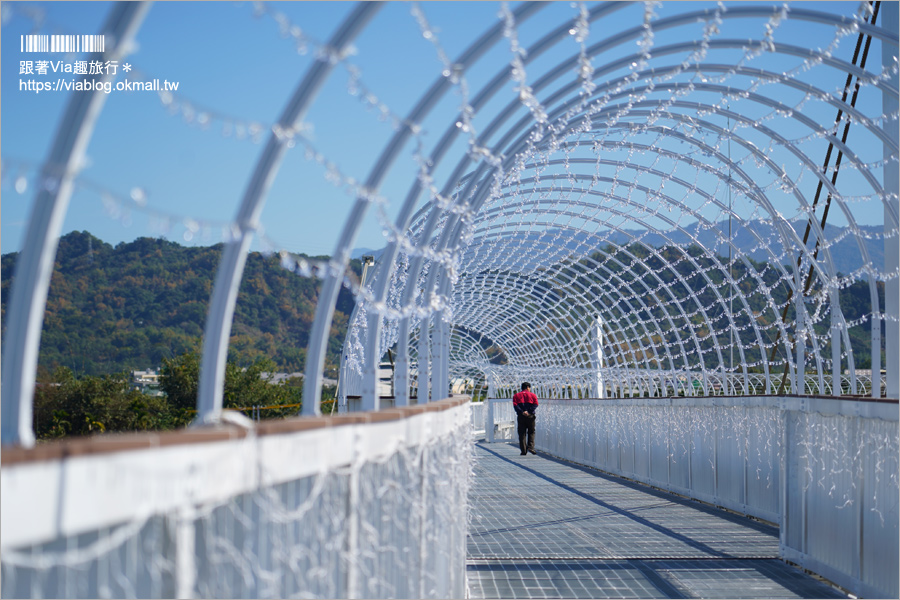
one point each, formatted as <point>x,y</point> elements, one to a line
<point>489,422</point>
<point>185,562</point>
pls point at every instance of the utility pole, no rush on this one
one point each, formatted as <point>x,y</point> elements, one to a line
<point>367,261</point>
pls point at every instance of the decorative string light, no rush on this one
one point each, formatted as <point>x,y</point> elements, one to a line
<point>603,209</point>
<point>533,227</point>
<point>624,159</point>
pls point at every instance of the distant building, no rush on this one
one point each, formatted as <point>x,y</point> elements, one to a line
<point>277,378</point>
<point>863,372</point>
<point>462,385</point>
<point>146,382</point>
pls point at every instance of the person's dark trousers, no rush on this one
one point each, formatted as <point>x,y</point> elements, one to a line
<point>526,425</point>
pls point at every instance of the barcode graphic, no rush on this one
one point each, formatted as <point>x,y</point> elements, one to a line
<point>63,43</point>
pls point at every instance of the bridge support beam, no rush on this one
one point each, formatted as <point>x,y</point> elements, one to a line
<point>440,376</point>
<point>424,360</point>
<point>598,387</point>
<point>891,211</point>
<point>401,365</point>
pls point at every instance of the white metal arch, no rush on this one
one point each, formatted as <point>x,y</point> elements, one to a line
<point>433,276</point>
<point>630,103</point>
<point>35,264</point>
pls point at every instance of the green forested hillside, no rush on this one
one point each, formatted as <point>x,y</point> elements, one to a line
<point>130,306</point>
<point>112,309</point>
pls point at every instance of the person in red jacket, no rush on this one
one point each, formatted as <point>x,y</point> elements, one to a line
<point>525,403</point>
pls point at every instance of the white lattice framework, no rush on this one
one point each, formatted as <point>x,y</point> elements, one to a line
<point>646,171</point>
<point>608,199</point>
<point>586,199</point>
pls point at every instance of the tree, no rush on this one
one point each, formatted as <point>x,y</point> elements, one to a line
<point>110,308</point>
<point>179,378</point>
<point>252,386</point>
<point>67,406</point>
<point>244,388</point>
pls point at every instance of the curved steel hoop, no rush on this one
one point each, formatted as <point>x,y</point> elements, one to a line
<point>35,263</point>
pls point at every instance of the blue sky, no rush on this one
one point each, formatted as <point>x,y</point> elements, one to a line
<point>226,58</point>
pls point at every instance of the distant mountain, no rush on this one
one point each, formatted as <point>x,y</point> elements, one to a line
<point>126,307</point>
<point>358,253</point>
<point>845,253</point>
<point>752,239</point>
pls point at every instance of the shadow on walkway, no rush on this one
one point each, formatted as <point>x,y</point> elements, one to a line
<point>545,528</point>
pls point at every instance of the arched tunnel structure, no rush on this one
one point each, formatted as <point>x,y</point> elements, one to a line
<point>655,225</point>
<point>678,221</point>
<point>644,200</point>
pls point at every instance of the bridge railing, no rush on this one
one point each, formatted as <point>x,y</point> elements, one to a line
<point>654,383</point>
<point>368,505</point>
<point>499,420</point>
<point>824,469</point>
<point>479,414</point>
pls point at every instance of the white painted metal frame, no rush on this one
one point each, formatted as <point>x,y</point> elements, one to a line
<point>35,264</point>
<point>452,245</point>
<point>891,210</point>
<point>798,462</point>
<point>789,236</point>
<point>217,332</point>
<point>107,499</point>
<point>508,245</point>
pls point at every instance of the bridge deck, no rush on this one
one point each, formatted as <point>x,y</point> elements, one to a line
<point>544,528</point>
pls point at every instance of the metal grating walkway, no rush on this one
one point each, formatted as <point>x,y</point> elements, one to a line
<point>545,528</point>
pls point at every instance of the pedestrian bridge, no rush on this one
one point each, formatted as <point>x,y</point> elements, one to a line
<point>546,528</point>
<point>699,497</point>
<point>679,221</point>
